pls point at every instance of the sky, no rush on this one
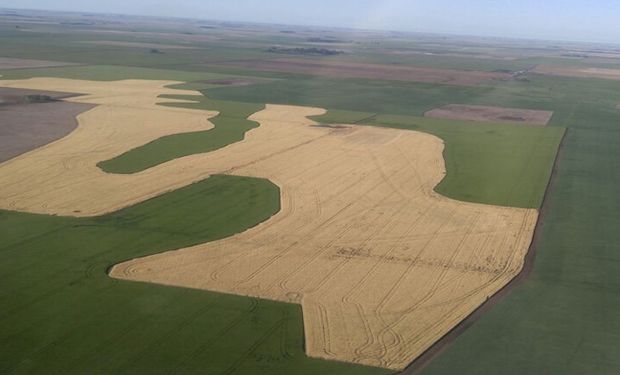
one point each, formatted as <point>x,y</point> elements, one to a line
<point>578,20</point>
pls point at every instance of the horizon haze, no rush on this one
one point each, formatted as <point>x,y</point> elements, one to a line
<point>572,20</point>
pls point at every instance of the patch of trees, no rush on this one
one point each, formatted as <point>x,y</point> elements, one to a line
<point>38,99</point>
<point>324,40</point>
<point>305,51</point>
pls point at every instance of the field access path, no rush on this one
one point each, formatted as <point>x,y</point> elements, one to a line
<point>382,265</point>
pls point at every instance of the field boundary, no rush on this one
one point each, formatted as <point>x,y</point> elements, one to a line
<point>416,367</point>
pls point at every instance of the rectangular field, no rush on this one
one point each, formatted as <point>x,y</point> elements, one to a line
<point>479,113</point>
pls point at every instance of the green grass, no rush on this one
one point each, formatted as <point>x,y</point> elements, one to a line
<point>62,314</point>
<point>230,126</point>
<point>507,165</point>
<point>564,319</point>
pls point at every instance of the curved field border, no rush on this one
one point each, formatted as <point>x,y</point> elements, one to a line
<point>230,126</point>
<point>358,211</point>
<point>499,164</point>
<point>61,313</point>
<point>417,366</point>
<point>480,158</point>
<point>391,159</point>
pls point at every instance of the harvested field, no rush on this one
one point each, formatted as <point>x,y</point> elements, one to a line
<point>126,117</point>
<point>372,71</point>
<point>382,265</point>
<point>382,271</point>
<point>12,63</point>
<point>117,43</point>
<point>24,126</point>
<point>612,74</point>
<point>491,114</point>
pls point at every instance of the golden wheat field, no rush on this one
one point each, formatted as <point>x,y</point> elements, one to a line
<point>381,264</point>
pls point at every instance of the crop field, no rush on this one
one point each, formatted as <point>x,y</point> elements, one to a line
<point>191,197</point>
<point>613,74</point>
<point>63,314</point>
<point>450,240</point>
<point>491,114</point>
<point>346,223</point>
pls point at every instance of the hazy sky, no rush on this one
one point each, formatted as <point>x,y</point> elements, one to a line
<point>590,20</point>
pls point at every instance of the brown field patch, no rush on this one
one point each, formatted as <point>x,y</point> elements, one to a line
<point>12,63</point>
<point>491,114</point>
<point>24,126</point>
<point>612,74</point>
<point>382,265</point>
<point>372,71</point>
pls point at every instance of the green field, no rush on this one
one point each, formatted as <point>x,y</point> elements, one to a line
<point>506,165</point>
<point>564,319</point>
<point>62,314</point>
<point>230,126</point>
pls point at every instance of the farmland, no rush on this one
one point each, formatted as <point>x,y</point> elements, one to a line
<point>443,231</point>
<point>188,162</point>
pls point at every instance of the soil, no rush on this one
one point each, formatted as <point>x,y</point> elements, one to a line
<point>491,114</point>
<point>372,71</point>
<point>25,125</point>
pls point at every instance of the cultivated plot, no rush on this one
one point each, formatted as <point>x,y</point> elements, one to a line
<point>63,178</point>
<point>381,264</point>
<point>481,113</point>
<point>603,73</point>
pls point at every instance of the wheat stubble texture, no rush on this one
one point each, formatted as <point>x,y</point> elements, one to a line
<point>382,265</point>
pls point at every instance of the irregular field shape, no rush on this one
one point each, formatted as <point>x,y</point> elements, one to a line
<point>24,127</point>
<point>491,114</point>
<point>381,264</point>
<point>63,178</point>
<point>372,71</point>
